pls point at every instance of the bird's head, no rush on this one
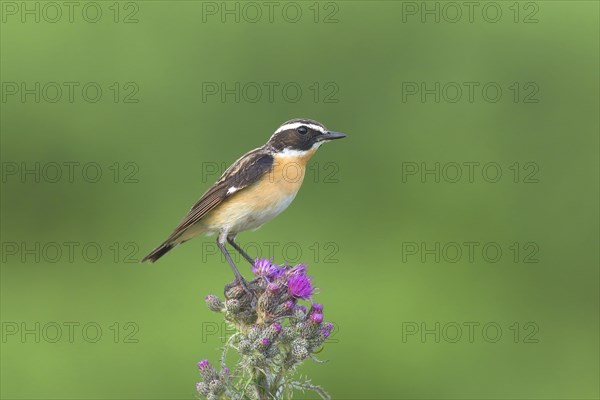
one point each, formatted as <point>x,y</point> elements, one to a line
<point>301,136</point>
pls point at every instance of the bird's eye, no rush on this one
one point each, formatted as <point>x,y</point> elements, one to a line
<point>302,130</point>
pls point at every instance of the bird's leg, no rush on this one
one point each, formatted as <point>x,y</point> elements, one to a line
<point>231,240</point>
<point>239,277</point>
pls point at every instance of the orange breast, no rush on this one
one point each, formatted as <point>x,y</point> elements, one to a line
<point>262,201</point>
<point>288,172</point>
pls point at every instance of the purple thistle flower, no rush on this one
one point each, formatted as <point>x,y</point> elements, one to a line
<point>276,326</point>
<point>265,341</point>
<point>325,332</point>
<point>299,269</point>
<point>204,364</point>
<point>289,305</point>
<point>316,308</point>
<point>207,372</point>
<point>273,287</point>
<point>316,318</point>
<point>276,271</point>
<point>263,267</point>
<point>328,326</point>
<point>299,286</point>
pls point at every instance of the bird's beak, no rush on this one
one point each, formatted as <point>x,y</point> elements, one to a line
<point>330,136</point>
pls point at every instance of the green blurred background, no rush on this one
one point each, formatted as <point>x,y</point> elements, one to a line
<point>357,220</point>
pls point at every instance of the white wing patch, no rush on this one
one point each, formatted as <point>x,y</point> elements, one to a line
<point>232,190</point>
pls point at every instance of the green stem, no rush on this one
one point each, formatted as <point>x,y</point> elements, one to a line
<point>261,383</point>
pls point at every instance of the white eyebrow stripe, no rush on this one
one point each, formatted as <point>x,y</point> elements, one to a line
<point>295,125</point>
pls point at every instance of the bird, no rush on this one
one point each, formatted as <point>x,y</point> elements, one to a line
<point>256,188</point>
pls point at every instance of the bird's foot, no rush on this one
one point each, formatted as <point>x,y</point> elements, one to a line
<point>244,285</point>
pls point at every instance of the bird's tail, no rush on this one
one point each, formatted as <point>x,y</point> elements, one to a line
<point>159,252</point>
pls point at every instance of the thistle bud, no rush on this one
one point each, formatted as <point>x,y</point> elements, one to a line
<point>299,351</point>
<point>311,326</point>
<point>257,359</point>
<point>202,388</point>
<point>207,372</point>
<point>305,328</point>
<point>272,351</point>
<point>272,331</point>
<point>245,346</point>
<point>328,326</point>
<point>267,302</point>
<point>284,309</point>
<point>232,306</point>
<point>246,317</point>
<point>254,332</point>
<point>214,303</point>
<point>320,336</point>
<point>216,387</point>
<point>316,308</point>
<point>235,292</point>
<point>287,334</point>
<point>259,284</point>
<point>300,312</point>
<point>273,287</point>
<point>316,318</point>
<point>263,344</point>
<point>300,342</point>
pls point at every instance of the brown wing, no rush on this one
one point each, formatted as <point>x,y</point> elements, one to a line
<point>247,170</point>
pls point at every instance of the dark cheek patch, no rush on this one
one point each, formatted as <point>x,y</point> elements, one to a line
<point>293,140</point>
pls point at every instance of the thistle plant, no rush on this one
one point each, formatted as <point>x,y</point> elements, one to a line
<point>274,334</point>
